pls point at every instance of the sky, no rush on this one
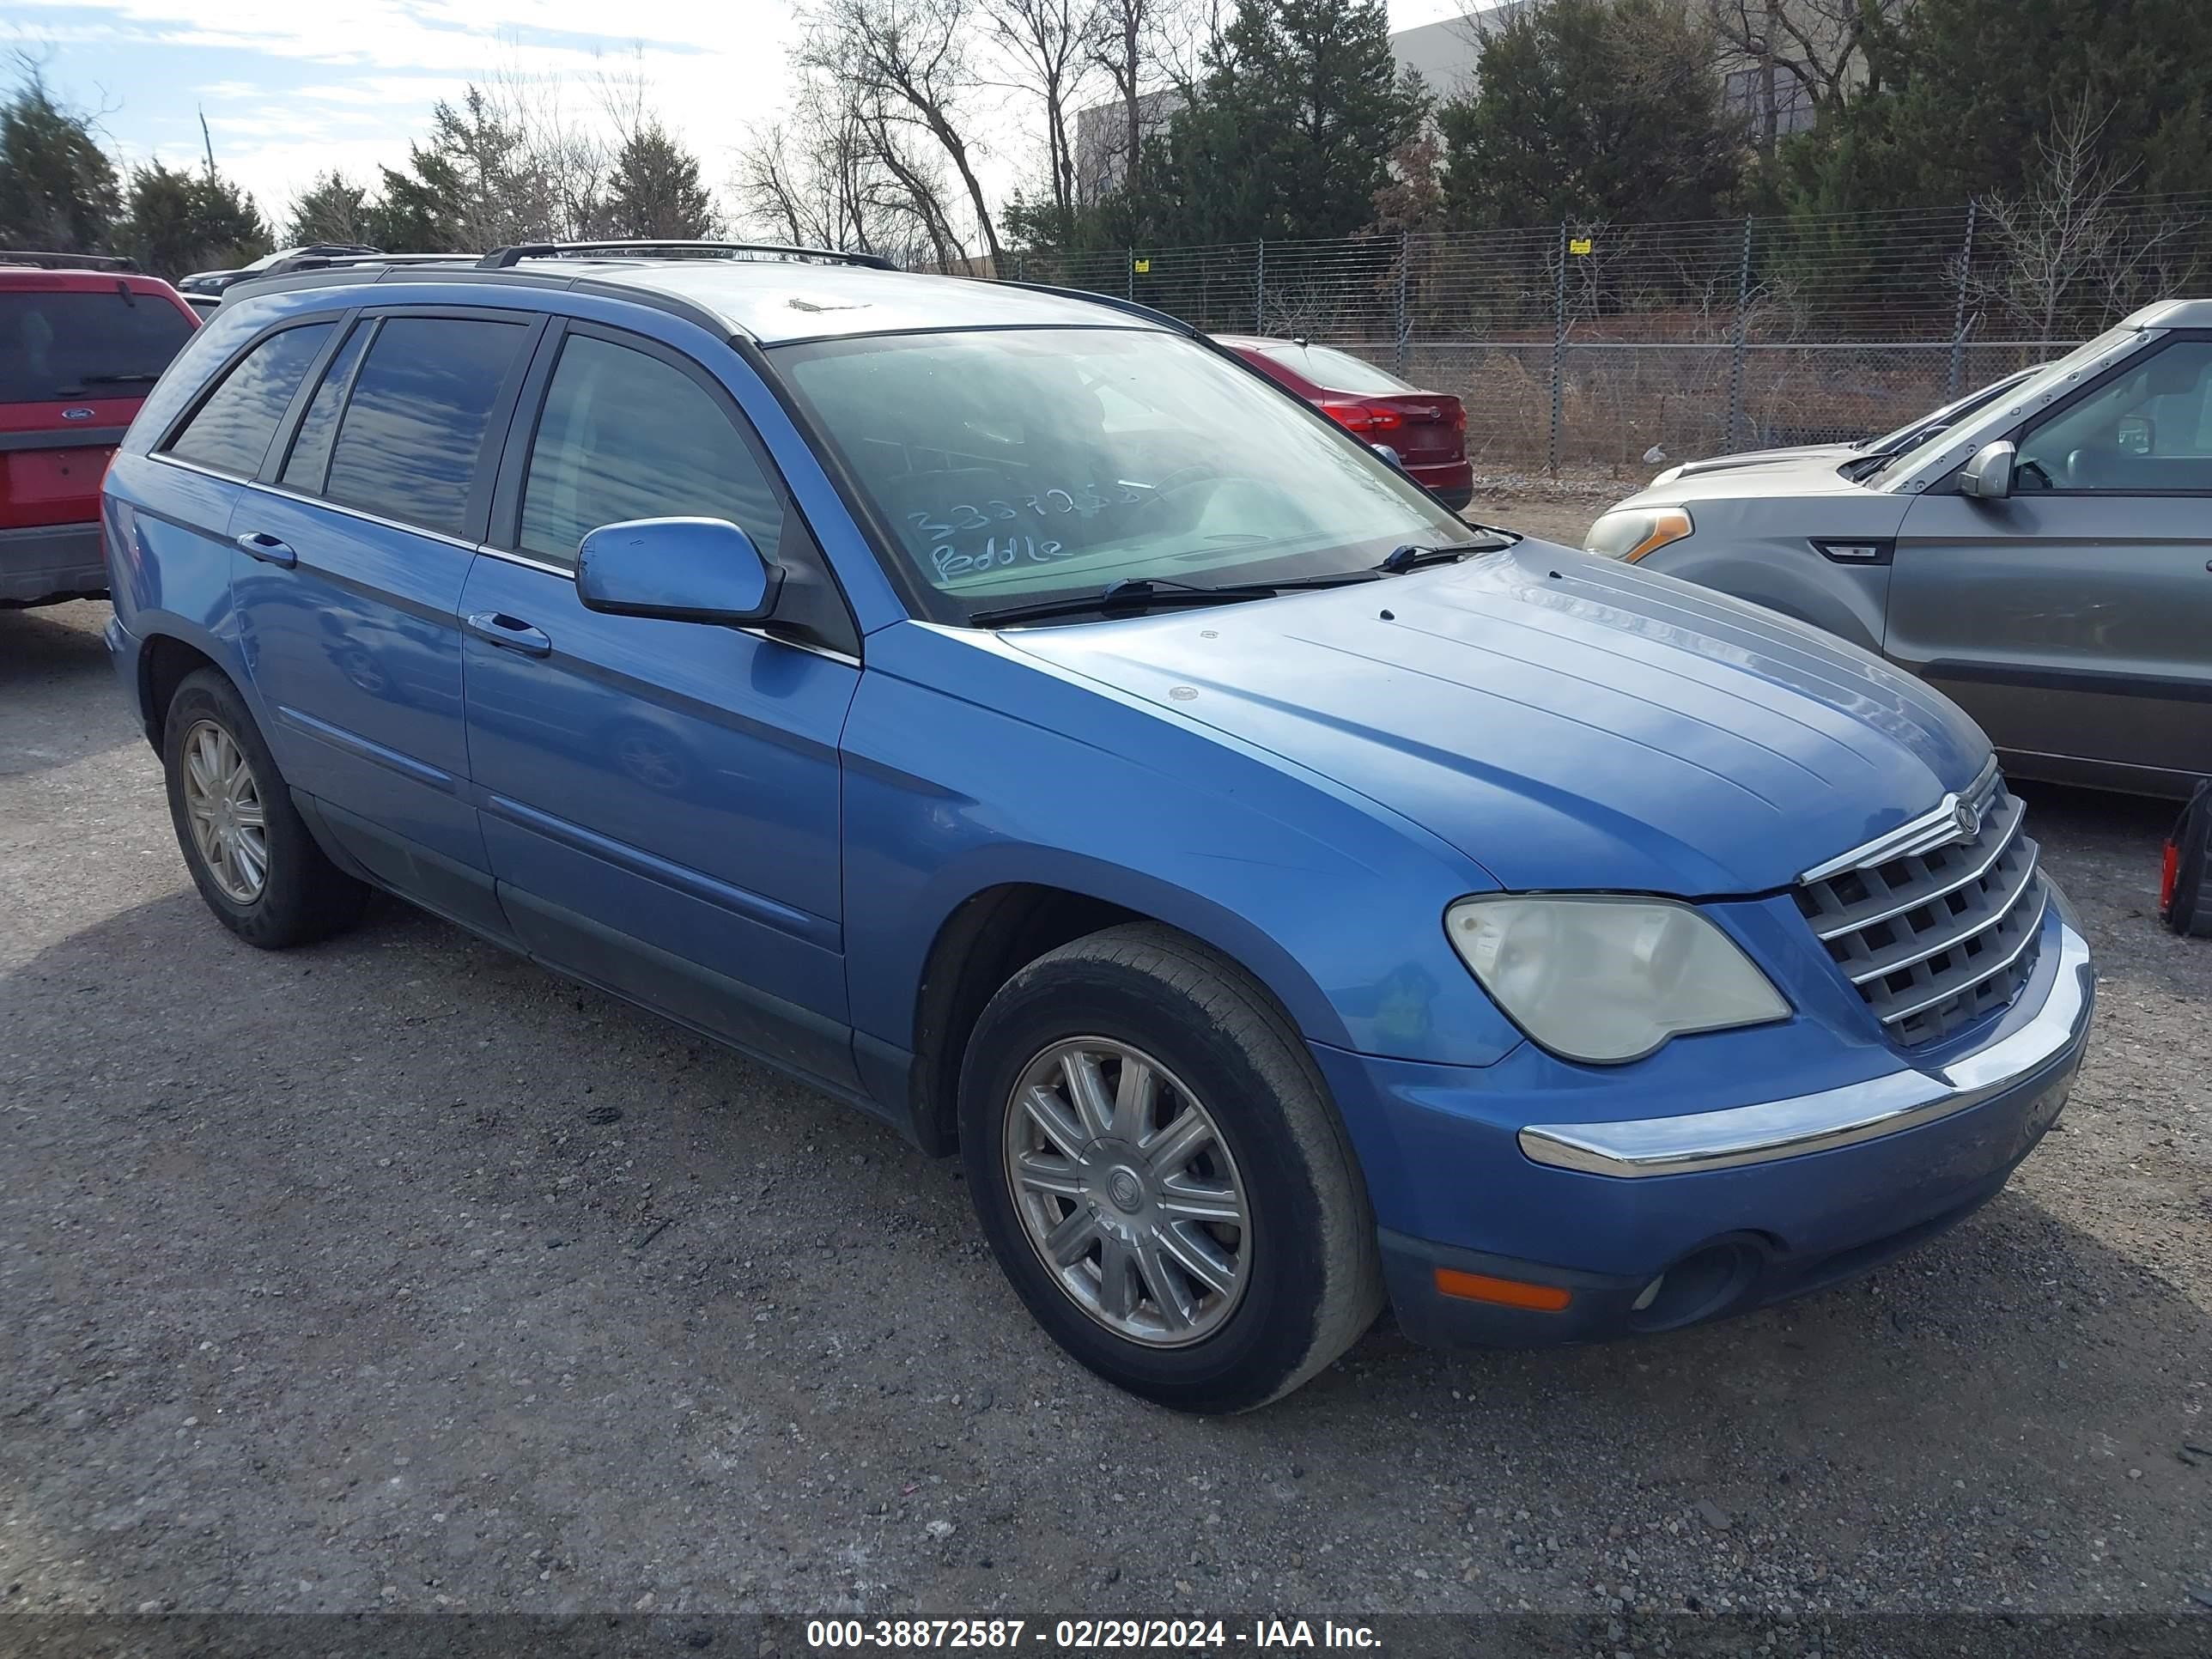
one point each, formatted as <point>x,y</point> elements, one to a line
<point>291,88</point>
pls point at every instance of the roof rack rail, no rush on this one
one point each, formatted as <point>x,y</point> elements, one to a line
<point>66,261</point>
<point>505,259</point>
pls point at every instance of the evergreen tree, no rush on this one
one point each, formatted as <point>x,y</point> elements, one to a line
<point>1296,118</point>
<point>654,191</point>
<point>58,191</point>
<point>1961,90</point>
<point>176,221</point>
<point>1592,109</point>
<point>333,209</point>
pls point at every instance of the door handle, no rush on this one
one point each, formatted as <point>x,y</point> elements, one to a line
<point>510,634</point>
<point>261,545</point>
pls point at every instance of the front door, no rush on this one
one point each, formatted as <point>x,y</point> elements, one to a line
<point>661,799</point>
<point>2073,619</point>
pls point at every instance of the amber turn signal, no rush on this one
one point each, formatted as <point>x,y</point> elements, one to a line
<point>1507,1293</point>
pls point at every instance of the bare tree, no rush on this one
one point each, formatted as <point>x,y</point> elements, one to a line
<point>1048,43</point>
<point>2070,231</point>
<point>1808,51</point>
<point>908,62</point>
<point>1122,32</point>
<point>834,173</point>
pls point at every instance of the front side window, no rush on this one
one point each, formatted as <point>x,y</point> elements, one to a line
<point>625,435</point>
<point>1016,464</point>
<point>410,440</point>
<point>2148,430</point>
<point>112,343</point>
<point>231,430</point>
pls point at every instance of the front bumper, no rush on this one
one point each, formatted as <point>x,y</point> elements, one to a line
<point>45,563</point>
<point>1655,1223</point>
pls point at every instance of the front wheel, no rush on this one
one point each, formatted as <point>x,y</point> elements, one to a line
<point>1161,1176</point>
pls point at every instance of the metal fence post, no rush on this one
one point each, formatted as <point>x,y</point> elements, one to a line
<point>1260,289</point>
<point>1021,265</point>
<point>1404,323</point>
<point>1129,271</point>
<point>1559,349</point>
<point>1959,316</point>
<point>1736,343</point>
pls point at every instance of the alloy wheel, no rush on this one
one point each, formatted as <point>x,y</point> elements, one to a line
<point>1127,1190</point>
<point>223,803</point>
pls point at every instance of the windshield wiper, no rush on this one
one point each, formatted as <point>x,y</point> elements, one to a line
<point>1413,555</point>
<point>1140,593</point>
<point>119,380</point>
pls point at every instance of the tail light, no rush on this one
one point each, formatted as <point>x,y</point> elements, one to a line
<point>1365,419</point>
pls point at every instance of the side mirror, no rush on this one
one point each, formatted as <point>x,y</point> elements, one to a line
<point>704,570</point>
<point>1988,477</point>
<point>1389,455</point>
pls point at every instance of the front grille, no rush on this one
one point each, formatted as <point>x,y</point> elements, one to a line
<point>1935,938</point>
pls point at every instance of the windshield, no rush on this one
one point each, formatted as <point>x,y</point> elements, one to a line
<point>85,342</point>
<point>2057,369</point>
<point>1944,418</point>
<point>1017,465</point>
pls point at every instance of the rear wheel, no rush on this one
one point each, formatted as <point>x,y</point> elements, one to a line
<point>249,854</point>
<point>1161,1176</point>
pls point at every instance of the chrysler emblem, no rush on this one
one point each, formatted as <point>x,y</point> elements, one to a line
<point>1968,817</point>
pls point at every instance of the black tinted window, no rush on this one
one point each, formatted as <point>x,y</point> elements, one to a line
<point>408,443</point>
<point>110,344</point>
<point>625,435</point>
<point>233,428</point>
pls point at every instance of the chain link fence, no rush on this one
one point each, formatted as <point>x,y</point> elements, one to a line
<point>1588,345</point>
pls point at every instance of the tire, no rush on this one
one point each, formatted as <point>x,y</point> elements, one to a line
<point>1306,1277</point>
<point>302,895</point>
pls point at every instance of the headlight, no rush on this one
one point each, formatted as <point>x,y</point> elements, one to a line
<point>1633,534</point>
<point>1607,980</point>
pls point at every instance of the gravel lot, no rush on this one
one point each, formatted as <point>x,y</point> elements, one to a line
<point>395,1273</point>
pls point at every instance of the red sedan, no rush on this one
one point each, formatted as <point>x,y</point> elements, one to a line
<point>1427,430</point>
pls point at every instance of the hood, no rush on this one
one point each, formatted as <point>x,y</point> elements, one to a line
<point>1566,721</point>
<point>1778,472</point>
<point>1833,454</point>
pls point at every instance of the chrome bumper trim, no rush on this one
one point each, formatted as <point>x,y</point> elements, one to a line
<point>1885,1105</point>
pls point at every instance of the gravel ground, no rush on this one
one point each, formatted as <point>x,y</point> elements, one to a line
<point>396,1273</point>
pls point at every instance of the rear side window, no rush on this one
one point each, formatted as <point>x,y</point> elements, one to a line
<point>311,450</point>
<point>232,429</point>
<point>625,435</point>
<point>85,344</point>
<point>408,441</point>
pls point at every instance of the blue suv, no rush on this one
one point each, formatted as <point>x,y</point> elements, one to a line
<point>1007,711</point>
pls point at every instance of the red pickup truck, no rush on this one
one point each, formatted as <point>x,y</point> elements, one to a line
<point>83,340</point>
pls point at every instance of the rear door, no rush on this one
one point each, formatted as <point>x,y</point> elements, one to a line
<point>2073,619</point>
<point>353,544</point>
<point>661,799</point>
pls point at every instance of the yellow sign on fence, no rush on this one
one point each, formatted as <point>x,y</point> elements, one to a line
<point>1579,245</point>
<point>1143,267</point>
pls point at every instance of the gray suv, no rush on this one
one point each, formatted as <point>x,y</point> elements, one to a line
<point>2046,562</point>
